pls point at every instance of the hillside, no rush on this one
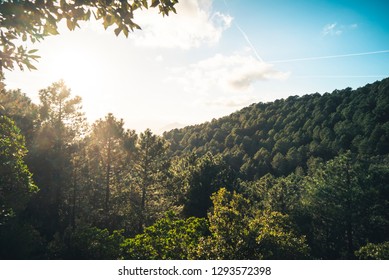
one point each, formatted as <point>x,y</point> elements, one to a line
<point>279,136</point>
<point>251,185</point>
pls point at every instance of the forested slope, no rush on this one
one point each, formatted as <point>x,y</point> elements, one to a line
<point>277,137</point>
<point>301,178</point>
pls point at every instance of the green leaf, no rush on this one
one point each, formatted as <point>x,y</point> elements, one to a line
<point>108,21</point>
<point>117,31</point>
<point>154,3</point>
<point>87,15</point>
<point>70,24</point>
<point>125,31</point>
<point>31,67</point>
<point>34,57</point>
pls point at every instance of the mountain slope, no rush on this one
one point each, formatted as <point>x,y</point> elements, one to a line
<point>279,136</point>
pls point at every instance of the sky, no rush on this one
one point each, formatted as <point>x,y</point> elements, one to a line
<point>213,58</point>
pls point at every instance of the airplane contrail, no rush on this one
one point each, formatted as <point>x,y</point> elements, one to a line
<point>245,36</point>
<point>341,76</point>
<point>249,42</point>
<point>300,59</point>
<point>328,56</point>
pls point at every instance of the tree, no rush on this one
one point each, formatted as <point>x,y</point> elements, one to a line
<point>61,113</point>
<point>262,156</point>
<point>150,173</point>
<point>16,184</point>
<point>204,176</point>
<point>238,231</point>
<point>108,137</point>
<point>336,198</point>
<point>62,124</point>
<point>228,222</point>
<point>111,156</point>
<point>18,240</point>
<point>279,164</point>
<point>36,19</point>
<point>17,106</point>
<point>376,199</point>
<point>284,195</point>
<point>169,238</point>
<point>374,251</point>
<point>86,243</point>
<point>273,236</point>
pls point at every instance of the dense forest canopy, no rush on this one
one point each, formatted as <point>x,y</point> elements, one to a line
<point>279,136</point>
<point>298,178</point>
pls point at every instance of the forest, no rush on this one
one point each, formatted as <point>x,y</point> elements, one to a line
<point>305,177</point>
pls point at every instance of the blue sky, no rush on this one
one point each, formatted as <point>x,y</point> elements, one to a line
<point>215,57</point>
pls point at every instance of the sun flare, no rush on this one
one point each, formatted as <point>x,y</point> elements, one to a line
<point>77,67</point>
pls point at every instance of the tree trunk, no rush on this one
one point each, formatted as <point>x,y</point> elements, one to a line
<point>108,176</point>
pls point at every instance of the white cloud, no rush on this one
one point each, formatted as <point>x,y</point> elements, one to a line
<point>353,26</point>
<point>235,73</point>
<point>159,58</point>
<point>333,29</point>
<point>248,70</point>
<point>194,25</point>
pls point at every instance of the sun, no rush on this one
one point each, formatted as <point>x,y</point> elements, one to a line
<point>74,57</point>
<point>83,69</point>
<point>79,68</point>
